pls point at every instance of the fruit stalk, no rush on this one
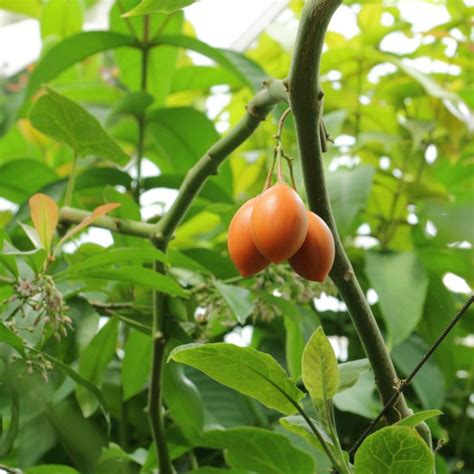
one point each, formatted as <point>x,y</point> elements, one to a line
<point>306,103</point>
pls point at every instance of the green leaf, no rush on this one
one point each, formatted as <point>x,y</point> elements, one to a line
<point>67,122</point>
<point>136,363</point>
<point>244,369</point>
<point>32,8</point>
<point>35,257</point>
<point>61,18</point>
<point>93,363</point>
<point>429,382</point>
<point>349,190</point>
<point>239,299</point>
<point>115,256</point>
<point>260,450</point>
<point>85,384</point>
<point>184,401</point>
<point>8,337</point>
<point>51,469</point>
<point>349,373</point>
<point>395,449</point>
<point>72,50</point>
<point>401,284</point>
<point>7,261</point>
<point>136,275</point>
<point>360,398</point>
<point>189,78</point>
<point>19,179</point>
<point>298,425</point>
<point>132,103</point>
<point>146,7</point>
<point>319,367</point>
<point>417,418</point>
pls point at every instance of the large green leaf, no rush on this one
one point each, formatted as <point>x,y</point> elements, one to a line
<point>146,7</point>
<point>67,122</point>
<point>93,363</point>
<point>136,363</point>
<point>401,284</point>
<point>239,299</point>
<point>61,19</point>
<point>136,275</point>
<point>21,178</point>
<point>348,191</point>
<point>319,367</point>
<point>72,50</point>
<point>202,77</point>
<point>417,418</point>
<point>115,256</point>
<point>298,425</point>
<point>349,373</point>
<point>244,369</point>
<point>260,450</point>
<point>395,449</point>
<point>429,383</point>
<point>51,469</point>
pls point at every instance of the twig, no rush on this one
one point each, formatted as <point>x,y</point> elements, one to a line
<point>405,382</point>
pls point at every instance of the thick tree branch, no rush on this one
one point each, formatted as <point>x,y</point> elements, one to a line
<point>273,92</point>
<point>306,101</point>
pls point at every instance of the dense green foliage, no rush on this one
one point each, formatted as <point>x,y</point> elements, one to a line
<point>76,319</point>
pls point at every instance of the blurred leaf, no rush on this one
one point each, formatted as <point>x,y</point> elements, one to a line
<point>32,8</point>
<point>61,18</point>
<point>319,367</point>
<point>349,190</point>
<point>395,449</point>
<point>72,50</point>
<point>10,338</point>
<point>244,369</point>
<point>239,300</point>
<point>136,275</point>
<point>429,382</point>
<point>67,122</point>
<point>417,418</point>
<point>201,78</point>
<point>45,215</point>
<point>349,373</point>
<point>146,7</point>
<point>260,450</point>
<point>35,257</point>
<point>136,363</point>
<point>21,178</point>
<point>133,103</point>
<point>401,284</point>
<point>93,363</point>
<point>51,469</point>
<point>114,256</point>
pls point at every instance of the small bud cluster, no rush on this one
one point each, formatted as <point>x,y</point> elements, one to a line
<point>41,296</point>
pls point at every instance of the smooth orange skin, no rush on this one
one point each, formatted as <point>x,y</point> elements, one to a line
<point>314,259</point>
<point>242,250</point>
<point>279,223</point>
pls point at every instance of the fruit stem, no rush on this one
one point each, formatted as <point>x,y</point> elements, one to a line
<point>280,177</point>
<point>289,160</point>
<point>269,179</point>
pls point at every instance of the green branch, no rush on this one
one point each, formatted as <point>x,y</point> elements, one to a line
<point>69,215</point>
<point>258,108</point>
<point>306,101</point>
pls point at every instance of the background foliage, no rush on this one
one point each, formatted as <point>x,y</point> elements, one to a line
<point>400,181</point>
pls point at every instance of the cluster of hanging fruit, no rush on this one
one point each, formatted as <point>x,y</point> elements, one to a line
<point>274,227</point>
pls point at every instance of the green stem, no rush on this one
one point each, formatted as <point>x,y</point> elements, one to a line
<point>122,226</point>
<point>71,182</point>
<point>306,102</point>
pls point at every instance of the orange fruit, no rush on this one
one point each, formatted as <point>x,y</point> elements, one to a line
<point>279,223</point>
<point>242,250</point>
<point>314,259</point>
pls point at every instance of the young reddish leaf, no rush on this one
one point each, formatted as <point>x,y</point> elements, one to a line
<point>44,214</point>
<point>96,213</point>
